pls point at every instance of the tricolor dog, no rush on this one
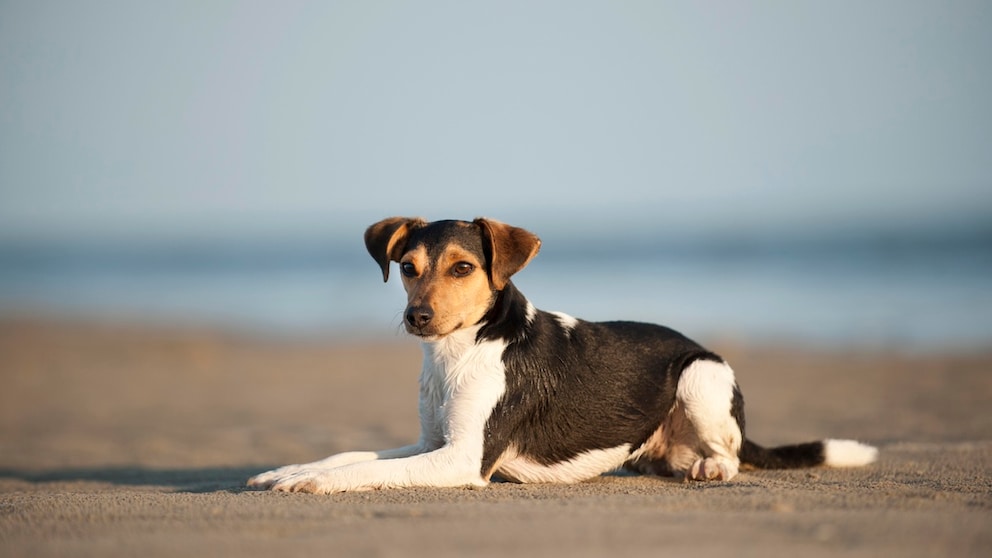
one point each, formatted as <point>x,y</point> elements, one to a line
<point>511,392</point>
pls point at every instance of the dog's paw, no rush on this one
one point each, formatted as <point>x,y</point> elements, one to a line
<point>263,481</point>
<point>312,482</point>
<point>712,469</point>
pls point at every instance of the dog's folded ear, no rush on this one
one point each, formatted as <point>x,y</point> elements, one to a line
<point>386,240</point>
<point>507,249</point>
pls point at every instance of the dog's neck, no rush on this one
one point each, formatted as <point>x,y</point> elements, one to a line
<point>443,352</point>
<point>450,360</point>
<point>509,316</point>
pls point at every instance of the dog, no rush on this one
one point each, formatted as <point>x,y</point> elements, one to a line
<point>514,393</point>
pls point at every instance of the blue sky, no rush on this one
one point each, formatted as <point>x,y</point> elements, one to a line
<point>239,117</point>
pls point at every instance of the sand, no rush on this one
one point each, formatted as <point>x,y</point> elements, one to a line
<point>120,440</point>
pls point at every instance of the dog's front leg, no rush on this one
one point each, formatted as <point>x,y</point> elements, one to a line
<point>456,461</point>
<point>269,478</point>
<point>431,438</point>
<point>449,466</point>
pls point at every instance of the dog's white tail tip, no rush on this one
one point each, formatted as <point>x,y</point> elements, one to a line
<point>848,453</point>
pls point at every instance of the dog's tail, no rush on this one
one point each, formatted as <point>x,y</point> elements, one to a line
<point>832,453</point>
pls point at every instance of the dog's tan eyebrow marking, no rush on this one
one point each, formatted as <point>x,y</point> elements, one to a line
<point>454,254</point>
<point>418,257</point>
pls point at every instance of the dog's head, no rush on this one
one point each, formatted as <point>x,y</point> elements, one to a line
<point>451,270</point>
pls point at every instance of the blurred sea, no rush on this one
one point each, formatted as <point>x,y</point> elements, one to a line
<point>926,290</point>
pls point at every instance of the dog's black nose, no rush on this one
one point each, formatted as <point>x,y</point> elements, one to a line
<point>419,316</point>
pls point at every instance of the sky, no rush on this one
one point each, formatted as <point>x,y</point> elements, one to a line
<point>191,118</point>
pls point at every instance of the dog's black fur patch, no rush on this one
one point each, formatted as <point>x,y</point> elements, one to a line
<point>572,390</point>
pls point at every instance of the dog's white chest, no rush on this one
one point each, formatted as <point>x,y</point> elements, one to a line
<point>460,385</point>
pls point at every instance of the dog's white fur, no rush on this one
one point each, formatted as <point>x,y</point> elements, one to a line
<point>848,453</point>
<point>581,467</point>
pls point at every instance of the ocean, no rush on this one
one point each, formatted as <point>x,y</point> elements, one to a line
<point>916,291</point>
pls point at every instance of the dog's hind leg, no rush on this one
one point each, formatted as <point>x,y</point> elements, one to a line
<point>706,423</point>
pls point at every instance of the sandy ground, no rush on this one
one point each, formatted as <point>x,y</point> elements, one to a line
<point>134,442</point>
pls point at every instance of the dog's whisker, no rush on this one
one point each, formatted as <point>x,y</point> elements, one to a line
<point>398,322</point>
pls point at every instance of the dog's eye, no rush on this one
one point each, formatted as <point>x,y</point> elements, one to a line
<point>461,269</point>
<point>408,269</point>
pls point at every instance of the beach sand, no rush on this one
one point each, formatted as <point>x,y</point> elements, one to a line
<point>120,440</point>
